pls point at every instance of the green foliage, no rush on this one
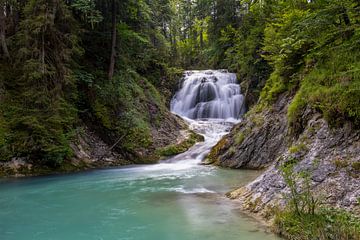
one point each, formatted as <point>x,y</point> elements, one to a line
<point>128,105</point>
<point>298,148</point>
<point>333,88</point>
<point>311,47</point>
<point>305,48</point>
<point>300,200</point>
<point>304,218</point>
<point>325,224</point>
<point>242,52</point>
<point>50,82</point>
<point>356,166</point>
<point>38,105</point>
<point>341,163</point>
<point>87,10</point>
<point>274,86</point>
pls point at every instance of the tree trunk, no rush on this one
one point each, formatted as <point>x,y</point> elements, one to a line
<point>113,41</point>
<point>201,39</point>
<point>2,32</point>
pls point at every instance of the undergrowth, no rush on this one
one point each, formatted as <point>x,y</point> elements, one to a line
<point>306,217</point>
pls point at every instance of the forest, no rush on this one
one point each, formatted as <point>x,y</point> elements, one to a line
<point>62,61</point>
<point>111,67</point>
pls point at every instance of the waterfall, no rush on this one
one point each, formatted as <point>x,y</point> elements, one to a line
<point>209,94</point>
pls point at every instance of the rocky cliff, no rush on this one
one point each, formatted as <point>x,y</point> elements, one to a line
<point>264,140</point>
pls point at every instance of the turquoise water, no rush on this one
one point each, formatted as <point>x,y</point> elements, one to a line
<point>174,200</point>
<point>127,204</point>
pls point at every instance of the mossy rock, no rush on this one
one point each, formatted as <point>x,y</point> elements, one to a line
<point>213,156</point>
<point>183,146</point>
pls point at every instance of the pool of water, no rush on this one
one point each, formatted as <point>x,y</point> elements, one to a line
<point>178,199</point>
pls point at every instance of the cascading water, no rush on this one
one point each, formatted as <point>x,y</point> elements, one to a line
<point>211,102</point>
<point>209,94</point>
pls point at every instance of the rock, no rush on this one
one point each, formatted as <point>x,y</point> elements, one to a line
<point>328,155</point>
<point>258,140</point>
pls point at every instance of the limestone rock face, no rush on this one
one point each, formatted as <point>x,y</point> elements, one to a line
<point>256,141</point>
<point>330,155</point>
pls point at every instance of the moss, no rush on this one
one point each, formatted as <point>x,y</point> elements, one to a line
<point>356,166</point>
<point>258,120</point>
<point>331,88</point>
<point>101,112</point>
<point>181,147</point>
<point>275,85</point>
<point>129,106</point>
<point>301,147</point>
<point>231,151</point>
<point>239,138</point>
<point>340,163</point>
<point>295,111</point>
<point>213,156</point>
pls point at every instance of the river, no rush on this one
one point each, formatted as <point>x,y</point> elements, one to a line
<point>177,199</point>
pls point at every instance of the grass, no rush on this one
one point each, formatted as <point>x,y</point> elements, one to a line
<point>305,218</point>
<point>327,223</point>
<point>332,88</point>
<point>301,147</point>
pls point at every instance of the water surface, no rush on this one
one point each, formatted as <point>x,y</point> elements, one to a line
<point>174,200</point>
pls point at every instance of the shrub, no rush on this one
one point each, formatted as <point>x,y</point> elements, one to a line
<point>305,218</point>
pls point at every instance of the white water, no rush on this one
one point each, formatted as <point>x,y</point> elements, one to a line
<point>211,102</point>
<point>209,94</point>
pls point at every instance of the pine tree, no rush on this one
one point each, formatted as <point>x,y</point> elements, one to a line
<point>40,113</point>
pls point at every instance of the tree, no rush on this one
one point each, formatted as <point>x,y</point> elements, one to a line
<point>3,29</point>
<point>113,40</point>
<point>41,114</point>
